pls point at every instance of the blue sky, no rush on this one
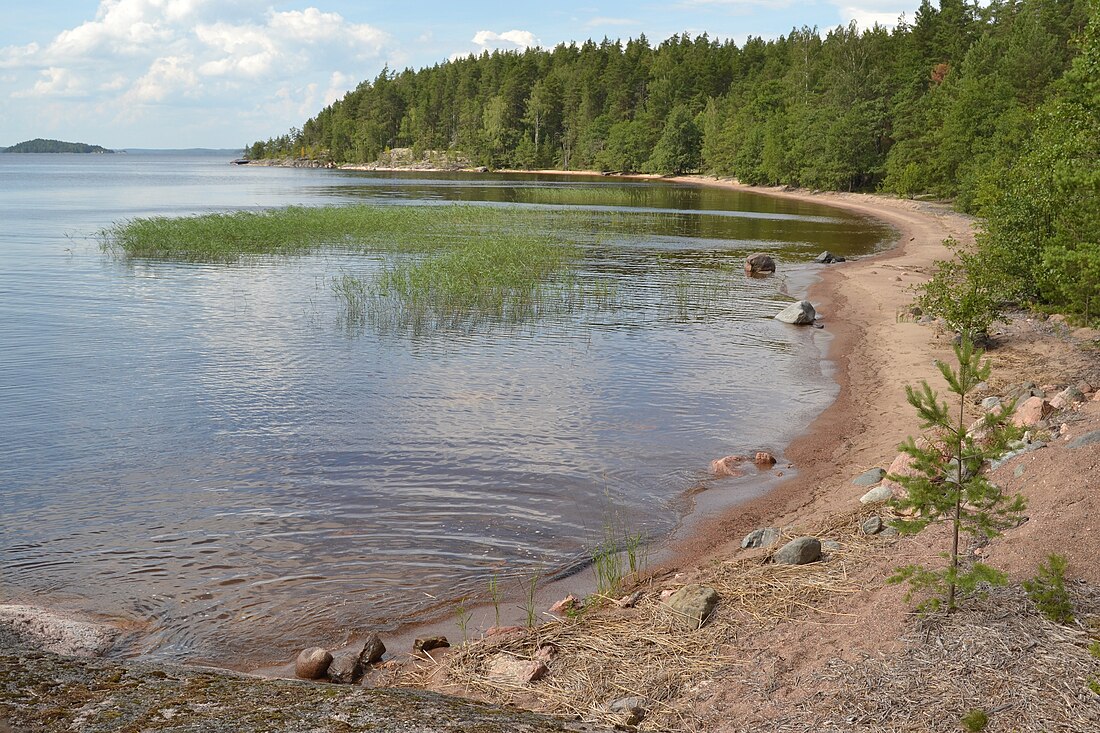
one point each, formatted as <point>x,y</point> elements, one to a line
<point>222,73</point>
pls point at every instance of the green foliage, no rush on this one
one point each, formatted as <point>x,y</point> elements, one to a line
<point>496,595</point>
<point>975,720</point>
<point>462,617</point>
<point>964,292</point>
<point>947,484</point>
<point>1047,590</point>
<point>924,108</point>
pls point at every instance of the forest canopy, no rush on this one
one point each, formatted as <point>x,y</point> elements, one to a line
<point>995,108</point>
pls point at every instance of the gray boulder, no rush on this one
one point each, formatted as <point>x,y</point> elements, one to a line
<point>801,313</point>
<point>871,526</point>
<point>801,551</point>
<point>631,709</point>
<point>991,403</point>
<point>870,478</point>
<point>879,493</point>
<point>349,664</point>
<point>693,604</point>
<point>765,537</point>
<point>827,258</point>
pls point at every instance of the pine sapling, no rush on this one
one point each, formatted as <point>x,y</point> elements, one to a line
<point>947,484</point>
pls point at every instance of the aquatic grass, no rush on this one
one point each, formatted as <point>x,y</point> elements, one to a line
<point>228,237</point>
<point>601,195</point>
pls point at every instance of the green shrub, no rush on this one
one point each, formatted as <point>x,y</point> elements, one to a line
<point>1047,590</point>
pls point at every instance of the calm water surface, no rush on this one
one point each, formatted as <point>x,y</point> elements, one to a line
<point>216,451</point>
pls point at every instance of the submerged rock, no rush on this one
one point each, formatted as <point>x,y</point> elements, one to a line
<point>728,466</point>
<point>801,313</point>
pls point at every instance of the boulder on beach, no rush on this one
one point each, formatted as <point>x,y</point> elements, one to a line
<point>870,477</point>
<point>801,313</point>
<point>877,494</point>
<point>350,663</point>
<point>510,670</point>
<point>759,264</point>
<point>801,551</point>
<point>1034,410</point>
<point>50,631</point>
<point>312,663</point>
<point>763,537</point>
<point>827,258</point>
<point>763,458</point>
<point>693,604</point>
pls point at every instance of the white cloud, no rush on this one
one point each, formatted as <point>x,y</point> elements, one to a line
<point>157,51</point>
<point>508,40</point>
<point>868,12</point>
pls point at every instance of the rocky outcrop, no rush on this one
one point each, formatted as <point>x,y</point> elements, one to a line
<point>47,693</point>
<point>50,631</point>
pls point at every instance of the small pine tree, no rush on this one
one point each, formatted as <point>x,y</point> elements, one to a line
<point>948,485</point>
<point>1047,590</point>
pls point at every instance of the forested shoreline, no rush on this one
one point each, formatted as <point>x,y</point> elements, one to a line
<point>996,108</point>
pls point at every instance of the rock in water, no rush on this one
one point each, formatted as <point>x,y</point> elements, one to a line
<point>827,258</point>
<point>312,663</point>
<point>350,664</point>
<point>802,551</point>
<point>801,313</point>
<point>728,466</point>
<point>759,264</point>
<point>693,604</point>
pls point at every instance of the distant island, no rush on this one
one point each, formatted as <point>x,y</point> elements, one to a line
<point>38,145</point>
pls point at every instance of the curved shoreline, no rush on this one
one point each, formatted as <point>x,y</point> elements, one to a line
<point>875,352</point>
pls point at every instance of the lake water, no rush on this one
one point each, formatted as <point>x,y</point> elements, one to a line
<point>217,453</point>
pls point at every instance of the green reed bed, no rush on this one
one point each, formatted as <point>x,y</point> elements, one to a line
<point>601,195</point>
<point>228,237</point>
<point>443,266</point>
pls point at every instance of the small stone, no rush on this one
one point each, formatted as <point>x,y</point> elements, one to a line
<point>632,709</point>
<point>801,551</point>
<point>428,643</point>
<point>870,477</point>
<point>504,631</point>
<point>629,601</point>
<point>1085,388</point>
<point>759,264</point>
<point>877,494</point>
<point>991,403</point>
<point>763,458</point>
<point>765,537</point>
<point>1019,471</point>
<point>889,532</point>
<point>830,545</point>
<point>871,526</point>
<point>312,663</point>
<point>801,313</point>
<point>1067,398</point>
<point>546,653</point>
<point>508,669</point>
<point>818,324</point>
<point>694,604</point>
<point>566,605</point>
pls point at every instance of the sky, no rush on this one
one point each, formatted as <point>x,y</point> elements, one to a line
<point>224,73</point>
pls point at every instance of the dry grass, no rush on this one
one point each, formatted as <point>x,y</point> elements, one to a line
<point>647,652</point>
<point>999,655</point>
